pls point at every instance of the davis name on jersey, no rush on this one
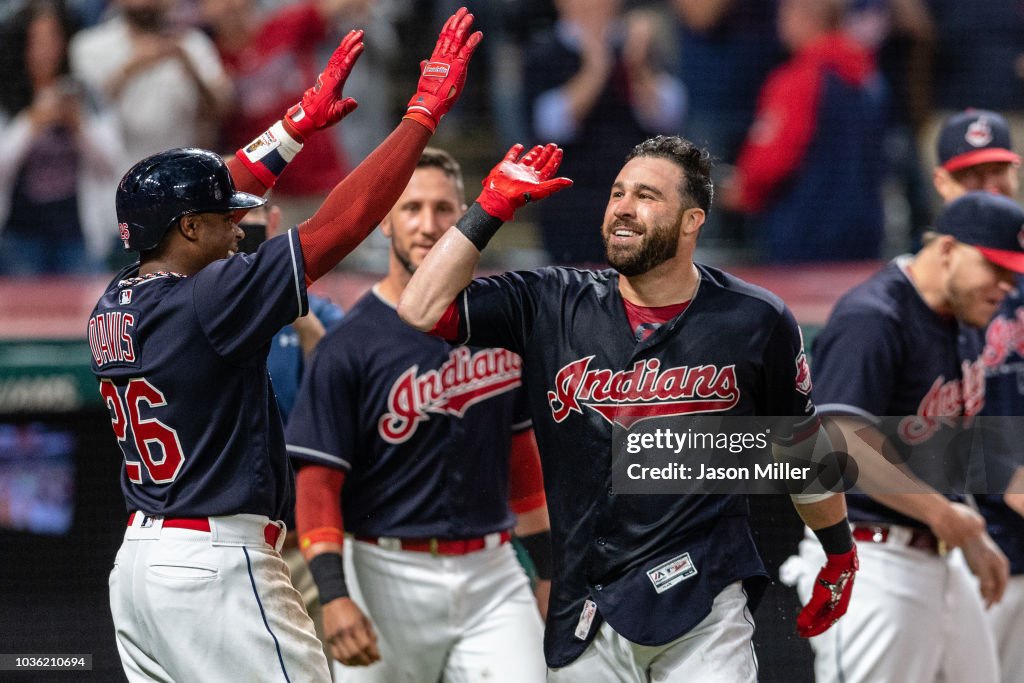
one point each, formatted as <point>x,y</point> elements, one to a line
<point>463,380</point>
<point>642,392</point>
<point>111,337</point>
<point>945,403</point>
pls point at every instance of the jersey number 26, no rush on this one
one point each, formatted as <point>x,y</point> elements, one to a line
<point>123,403</point>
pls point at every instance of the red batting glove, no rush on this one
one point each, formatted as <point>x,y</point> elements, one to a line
<point>831,594</point>
<point>514,181</point>
<point>322,105</point>
<point>444,74</point>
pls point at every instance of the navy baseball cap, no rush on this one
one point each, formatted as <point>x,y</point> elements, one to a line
<point>990,222</point>
<point>972,137</point>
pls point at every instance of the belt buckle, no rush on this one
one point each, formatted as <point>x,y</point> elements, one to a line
<point>434,547</point>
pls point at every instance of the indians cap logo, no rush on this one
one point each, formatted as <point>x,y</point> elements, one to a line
<point>643,392</point>
<point>979,133</point>
<point>463,380</point>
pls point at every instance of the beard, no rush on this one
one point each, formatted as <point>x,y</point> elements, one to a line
<point>403,258</point>
<point>657,245</point>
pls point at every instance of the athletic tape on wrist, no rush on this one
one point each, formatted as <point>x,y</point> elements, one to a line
<point>836,539</point>
<point>328,570</point>
<point>268,154</point>
<point>479,226</point>
<point>538,547</point>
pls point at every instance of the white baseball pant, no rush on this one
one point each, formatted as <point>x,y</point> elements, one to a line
<point>210,606</point>
<point>1006,618</point>
<point>719,649</point>
<point>913,616</point>
<point>452,618</point>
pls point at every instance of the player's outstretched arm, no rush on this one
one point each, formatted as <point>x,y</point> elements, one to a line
<point>359,202</point>
<point>256,166</point>
<point>448,268</point>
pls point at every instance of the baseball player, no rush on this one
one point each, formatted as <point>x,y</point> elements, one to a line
<point>199,591</point>
<point>418,438</point>
<point>907,343</point>
<point>289,350</point>
<point>975,153</point>
<point>647,587</point>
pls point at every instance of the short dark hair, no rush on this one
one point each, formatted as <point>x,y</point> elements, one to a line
<point>432,157</point>
<point>694,161</point>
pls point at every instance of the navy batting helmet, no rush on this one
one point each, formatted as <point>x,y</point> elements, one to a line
<point>162,188</point>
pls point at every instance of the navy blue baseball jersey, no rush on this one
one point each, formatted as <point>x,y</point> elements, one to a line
<point>422,428</point>
<point>182,364</point>
<point>1004,395</point>
<point>285,361</point>
<point>885,353</point>
<point>650,565</point>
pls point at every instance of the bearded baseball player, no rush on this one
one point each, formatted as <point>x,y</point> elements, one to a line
<point>907,344</point>
<point>975,152</point>
<point>426,445</point>
<point>199,591</point>
<point>612,614</point>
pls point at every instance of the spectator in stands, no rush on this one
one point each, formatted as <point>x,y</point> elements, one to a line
<point>810,171</point>
<point>271,58</point>
<point>61,157</point>
<point>165,83</point>
<point>595,85</point>
<point>726,48</point>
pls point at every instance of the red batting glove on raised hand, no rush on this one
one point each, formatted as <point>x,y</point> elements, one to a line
<point>322,105</point>
<point>831,594</point>
<point>514,181</point>
<point>444,74</point>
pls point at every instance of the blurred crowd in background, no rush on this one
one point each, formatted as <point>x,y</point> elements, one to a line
<point>821,114</point>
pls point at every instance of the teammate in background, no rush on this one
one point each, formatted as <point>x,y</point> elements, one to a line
<point>907,343</point>
<point>179,344</point>
<point>975,152</point>
<point>291,347</point>
<point>613,615</point>
<point>427,447</point>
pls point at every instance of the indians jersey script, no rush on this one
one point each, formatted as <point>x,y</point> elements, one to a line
<point>1003,359</point>
<point>885,353</point>
<point>651,564</point>
<point>421,427</point>
<point>182,365</point>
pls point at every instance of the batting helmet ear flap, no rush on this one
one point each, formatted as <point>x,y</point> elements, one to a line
<point>162,188</point>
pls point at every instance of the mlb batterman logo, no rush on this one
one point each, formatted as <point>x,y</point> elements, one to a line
<point>125,234</point>
<point>979,133</point>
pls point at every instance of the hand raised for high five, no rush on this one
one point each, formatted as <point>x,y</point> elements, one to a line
<point>322,105</point>
<point>516,181</point>
<point>443,76</point>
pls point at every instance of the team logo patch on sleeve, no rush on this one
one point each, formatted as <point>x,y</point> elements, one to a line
<point>668,574</point>
<point>803,374</point>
